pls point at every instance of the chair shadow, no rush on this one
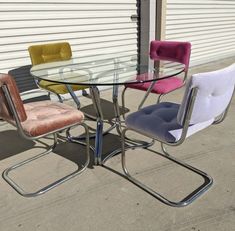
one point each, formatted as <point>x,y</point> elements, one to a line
<point>12,143</point>
<point>111,142</point>
<point>107,109</point>
<point>76,152</point>
<point>71,151</point>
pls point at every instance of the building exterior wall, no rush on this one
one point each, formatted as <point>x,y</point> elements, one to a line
<point>104,28</point>
<point>207,24</point>
<point>95,29</point>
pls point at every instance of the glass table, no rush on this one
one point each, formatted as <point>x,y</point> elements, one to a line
<point>106,72</point>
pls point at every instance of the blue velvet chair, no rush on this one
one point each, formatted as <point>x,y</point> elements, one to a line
<point>206,102</point>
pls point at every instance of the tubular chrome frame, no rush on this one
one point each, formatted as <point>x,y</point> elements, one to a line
<point>78,104</point>
<point>160,95</point>
<point>13,184</point>
<point>116,124</point>
<point>149,91</point>
<point>198,191</point>
<point>50,92</point>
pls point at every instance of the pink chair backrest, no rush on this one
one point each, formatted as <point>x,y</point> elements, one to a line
<point>5,112</point>
<point>171,51</point>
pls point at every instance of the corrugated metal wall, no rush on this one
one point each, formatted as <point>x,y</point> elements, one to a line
<point>92,27</point>
<point>208,24</point>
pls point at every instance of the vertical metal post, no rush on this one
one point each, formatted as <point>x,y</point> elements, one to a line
<point>160,19</point>
<point>147,28</point>
<point>115,97</point>
<point>94,91</point>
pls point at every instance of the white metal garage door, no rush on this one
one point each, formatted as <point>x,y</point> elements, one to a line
<point>208,24</point>
<point>92,27</point>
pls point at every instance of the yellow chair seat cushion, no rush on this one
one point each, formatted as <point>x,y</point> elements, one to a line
<point>59,88</point>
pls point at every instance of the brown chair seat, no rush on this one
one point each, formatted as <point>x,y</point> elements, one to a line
<point>46,116</point>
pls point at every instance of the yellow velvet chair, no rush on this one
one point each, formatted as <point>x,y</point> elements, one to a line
<point>52,52</point>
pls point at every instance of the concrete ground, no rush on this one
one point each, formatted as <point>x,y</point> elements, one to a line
<point>101,199</point>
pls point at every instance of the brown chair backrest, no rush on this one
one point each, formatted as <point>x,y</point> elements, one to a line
<point>5,111</point>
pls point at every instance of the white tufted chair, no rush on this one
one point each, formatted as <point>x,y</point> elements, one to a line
<point>206,101</point>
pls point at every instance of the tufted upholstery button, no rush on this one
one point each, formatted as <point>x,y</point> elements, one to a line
<point>156,120</point>
<point>147,112</point>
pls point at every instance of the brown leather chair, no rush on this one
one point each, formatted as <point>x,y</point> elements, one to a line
<point>36,120</point>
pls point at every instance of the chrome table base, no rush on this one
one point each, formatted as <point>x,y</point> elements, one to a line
<point>116,123</point>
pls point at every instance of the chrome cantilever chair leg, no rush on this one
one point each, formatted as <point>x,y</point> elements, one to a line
<point>123,102</point>
<point>45,189</point>
<point>159,98</point>
<point>59,97</point>
<point>143,100</point>
<point>221,118</point>
<point>185,201</point>
<point>146,94</point>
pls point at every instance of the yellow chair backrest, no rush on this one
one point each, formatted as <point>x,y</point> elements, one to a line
<point>51,52</point>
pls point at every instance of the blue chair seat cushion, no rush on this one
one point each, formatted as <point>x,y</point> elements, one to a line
<point>156,121</point>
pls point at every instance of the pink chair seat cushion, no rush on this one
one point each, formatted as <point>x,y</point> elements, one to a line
<point>46,116</point>
<point>163,86</point>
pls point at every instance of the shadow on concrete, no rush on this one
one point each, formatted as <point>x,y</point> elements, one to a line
<point>107,109</point>
<point>12,143</point>
<point>76,152</point>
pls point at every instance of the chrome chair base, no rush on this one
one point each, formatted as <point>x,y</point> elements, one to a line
<point>133,144</point>
<point>208,181</point>
<point>93,134</point>
<point>45,189</point>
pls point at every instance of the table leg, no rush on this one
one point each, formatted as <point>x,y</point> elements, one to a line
<point>99,124</point>
<point>132,143</point>
<point>116,109</point>
<point>99,142</point>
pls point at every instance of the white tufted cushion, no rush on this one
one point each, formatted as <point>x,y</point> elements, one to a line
<point>215,90</point>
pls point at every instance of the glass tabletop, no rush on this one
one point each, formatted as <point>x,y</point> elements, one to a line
<point>112,71</point>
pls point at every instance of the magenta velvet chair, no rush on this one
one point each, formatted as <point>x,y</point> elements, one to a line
<point>169,51</point>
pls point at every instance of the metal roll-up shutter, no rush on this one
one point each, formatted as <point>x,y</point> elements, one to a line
<point>208,24</point>
<point>94,28</point>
